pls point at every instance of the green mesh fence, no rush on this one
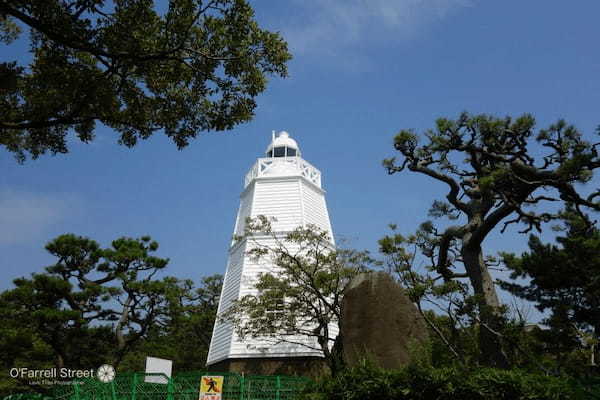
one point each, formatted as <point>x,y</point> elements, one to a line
<point>273,387</point>
<point>184,386</point>
<point>27,396</point>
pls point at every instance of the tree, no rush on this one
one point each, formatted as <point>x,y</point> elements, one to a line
<point>301,297</point>
<point>492,172</point>
<point>184,335</point>
<point>20,346</point>
<point>190,328</point>
<point>107,297</point>
<point>96,306</point>
<point>198,66</point>
<point>564,279</point>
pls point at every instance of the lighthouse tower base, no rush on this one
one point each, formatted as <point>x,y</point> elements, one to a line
<point>312,367</point>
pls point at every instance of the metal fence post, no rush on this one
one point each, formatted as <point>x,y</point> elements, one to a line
<point>242,386</point>
<point>112,389</point>
<point>278,387</point>
<point>134,388</point>
<point>76,389</point>
<point>169,389</point>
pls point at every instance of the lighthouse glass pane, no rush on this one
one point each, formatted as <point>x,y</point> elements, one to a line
<point>291,152</point>
<point>279,152</point>
<point>270,153</point>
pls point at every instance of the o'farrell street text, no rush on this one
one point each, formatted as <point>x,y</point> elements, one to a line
<point>50,373</point>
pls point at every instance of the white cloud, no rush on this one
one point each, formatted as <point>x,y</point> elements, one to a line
<point>330,27</point>
<point>25,216</point>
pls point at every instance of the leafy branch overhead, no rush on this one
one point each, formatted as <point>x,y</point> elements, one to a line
<point>196,66</point>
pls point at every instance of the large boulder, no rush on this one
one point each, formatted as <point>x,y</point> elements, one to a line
<point>379,322</point>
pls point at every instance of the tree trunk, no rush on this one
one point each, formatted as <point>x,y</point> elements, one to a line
<point>490,346</point>
<point>336,362</point>
<point>60,362</point>
<point>121,342</point>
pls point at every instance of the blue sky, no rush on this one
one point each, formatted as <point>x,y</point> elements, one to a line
<point>362,70</point>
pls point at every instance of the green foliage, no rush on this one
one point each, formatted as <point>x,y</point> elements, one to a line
<point>453,333</point>
<point>104,305</point>
<point>28,396</point>
<point>9,31</point>
<point>196,67</point>
<point>20,347</point>
<point>185,336</point>
<point>565,280</point>
<point>63,316</point>
<point>562,276</point>
<point>366,382</point>
<point>496,170</point>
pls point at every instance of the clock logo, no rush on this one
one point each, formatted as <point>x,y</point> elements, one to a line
<point>106,373</point>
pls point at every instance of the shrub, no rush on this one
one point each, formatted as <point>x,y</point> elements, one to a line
<point>367,382</point>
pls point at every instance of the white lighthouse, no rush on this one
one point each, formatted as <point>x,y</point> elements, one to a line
<point>283,186</point>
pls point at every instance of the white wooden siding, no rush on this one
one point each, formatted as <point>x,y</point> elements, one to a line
<point>315,209</point>
<point>244,211</point>
<point>220,344</point>
<point>278,198</point>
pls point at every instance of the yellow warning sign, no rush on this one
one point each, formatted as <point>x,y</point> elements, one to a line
<point>211,388</point>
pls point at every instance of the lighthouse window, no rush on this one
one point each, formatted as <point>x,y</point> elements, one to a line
<point>279,152</point>
<point>270,153</point>
<point>291,152</point>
